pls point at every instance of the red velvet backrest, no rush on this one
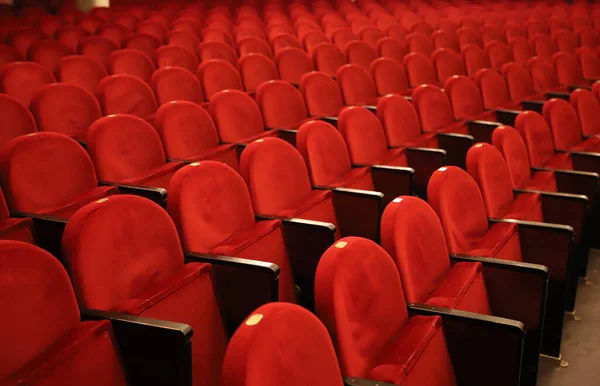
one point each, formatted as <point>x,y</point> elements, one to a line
<point>321,94</point>
<point>542,73</point>
<point>363,134</point>
<point>97,48</point>
<point>399,119</point>
<point>130,62</point>
<point>493,88</point>
<point>38,304</point>
<point>341,37</point>
<point>255,45</point>
<point>217,50</point>
<point>544,46</point>
<point>498,53</point>
<point>447,63</point>
<point>255,69</point>
<point>537,135</point>
<point>22,79</point>
<point>433,106</point>
<point>115,32</point>
<point>19,120</point>
<point>324,151</point>
<point>285,40</point>
<point>276,114</point>
<point>464,96</point>
<point>391,48</point>
<point>490,33</point>
<point>587,37</point>
<point>356,84</point>
<point>167,56</point>
<point>328,58</point>
<point>456,199</point>
<point>412,234</point>
<point>589,62</point>
<point>475,59</point>
<point>389,76</point>
<point>564,123</point>
<point>176,84</point>
<point>153,29</point>
<point>124,146</point>
<point>588,108</point>
<point>292,63</point>
<point>444,39</point>
<point>488,168</point>
<point>419,69</point>
<point>360,53</point>
<point>185,129</point>
<point>361,319</point>
<point>418,42</point>
<point>275,173</point>
<point>467,36</point>
<point>8,54</point>
<point>124,231</point>
<point>23,38</point>
<point>236,115</point>
<point>522,50</point>
<point>371,35</point>
<point>567,68</point>
<point>281,343</point>
<point>47,53</point>
<point>566,41</point>
<point>65,108</point>
<point>126,94</point>
<point>518,80</point>
<point>209,202</point>
<point>512,147</point>
<point>184,39</point>
<point>82,71</point>
<point>216,75</point>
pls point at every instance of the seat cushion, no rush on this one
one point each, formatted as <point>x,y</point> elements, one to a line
<point>526,206</point>
<point>560,161</point>
<point>316,206</point>
<point>356,178</point>
<point>591,144</point>
<point>394,157</point>
<point>459,127</point>
<point>19,229</point>
<point>66,210</point>
<point>428,140</point>
<point>156,178</point>
<point>501,242</point>
<point>542,180</point>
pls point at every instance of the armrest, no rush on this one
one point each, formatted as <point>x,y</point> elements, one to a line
<point>485,350</point>
<point>536,106</point>
<point>482,130</point>
<point>456,146</point>
<point>358,212</point>
<point>573,87</point>
<point>586,161</point>
<point>158,195</point>
<point>392,181</point>
<point>331,120</point>
<point>242,285</point>
<point>545,244</point>
<point>47,231</point>
<point>560,95</point>
<point>154,352</point>
<point>424,161</point>
<point>349,381</point>
<point>506,116</point>
<point>288,135</point>
<point>575,181</point>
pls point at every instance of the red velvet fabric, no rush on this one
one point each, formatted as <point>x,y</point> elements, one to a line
<point>126,94</point>
<point>474,58</point>
<point>21,80</point>
<point>115,32</point>
<point>360,53</point>
<point>97,48</point>
<point>392,48</point>
<point>328,58</point>
<point>254,45</point>
<point>433,107</point>
<point>82,71</point>
<point>283,40</point>
<point>8,54</point>
<point>357,85</point>
<point>183,39</point>
<point>217,50</point>
<point>465,98</point>
<point>498,53</point>
<point>211,207</point>
<point>389,76</point>
<point>522,50</point>
<point>152,281</point>
<point>588,109</point>
<point>589,62</point>
<point>538,138</point>
<point>256,68</point>
<point>566,127</point>
<point>371,35</point>
<point>65,108</point>
<point>130,62</point>
<point>447,63</point>
<point>290,114</point>
<point>567,69</point>
<point>445,39</point>
<point>543,74</point>
<point>25,37</point>
<point>292,63</point>
<point>153,29</point>
<point>566,41</point>
<point>145,43</point>
<point>420,43</point>
<point>304,353</point>
<point>322,95</point>
<point>216,75</point>
<point>127,149</point>
<point>494,91</point>
<point>70,35</point>
<point>419,69</point>
<point>544,46</point>
<point>167,56</point>
<point>176,84</point>
<point>518,80</point>
<point>21,120</point>
<point>48,53</point>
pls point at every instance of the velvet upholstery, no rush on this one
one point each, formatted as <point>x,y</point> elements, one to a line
<point>254,45</point>
<point>587,107</point>
<point>360,53</point>
<point>544,46</point>
<point>20,118</point>
<point>475,58</point>
<point>256,68</point>
<point>23,38</point>
<point>115,32</point>
<point>97,48</point>
<point>465,98</point>
<point>216,75</point>
<point>211,207</point>
<point>566,41</point>
<point>70,35</point>
<point>144,43</point>
<point>217,50</point>
<point>498,53</point>
<point>434,108</point>
<point>8,54</point>
<point>276,114</point>
<point>567,69</point>
<point>419,69</point>
<point>589,62</point>
<point>176,84</point>
<point>391,48</point>
<point>369,324</point>
<point>328,58</point>
<point>420,43</point>
<point>153,29</point>
<point>130,62</point>
<point>21,80</point>
<point>356,84</point>
<point>322,95</point>
<point>389,76</point>
<point>126,94</point>
<point>47,53</point>
<point>566,127</point>
<point>543,74</point>
<point>167,56</point>
<point>39,304</point>
<point>445,39</point>
<point>292,63</point>
<point>137,236</point>
<point>65,108</point>
<point>184,39</point>
<point>127,149</point>
<point>522,50</point>
<point>304,354</point>
<point>19,229</point>
<point>493,88</point>
<point>82,71</point>
<point>518,80</point>
<point>49,173</point>
<point>447,63</point>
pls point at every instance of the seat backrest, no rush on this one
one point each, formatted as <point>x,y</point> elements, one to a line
<point>447,63</point>
<point>184,39</point>
<point>456,199</point>
<point>493,88</point>
<point>589,62</point>
<point>371,35</point>
<point>433,106</point>
<point>491,33</point>
<point>292,63</point>
<point>20,118</point>
<point>314,38</point>
<point>167,56</point>
<point>360,53</point>
<point>512,147</point>
<point>47,53</point>
<point>328,58</point>
<point>567,69</point>
<point>42,170</point>
<point>185,129</point>
<point>359,336</point>
<point>176,84</point>
<point>216,75</point>
<point>82,71</point>
<point>564,123</point>
<point>217,50</point>
<point>48,24</point>
<point>275,173</point>
<point>419,69</point>
<point>25,37</point>
<point>444,39</point>
<point>8,54</point>
<point>145,43</point>
<point>342,36</point>
<point>281,325</point>
<point>588,108</point>
<point>467,36</point>
<point>281,104</point>
<point>236,115</point>
<point>566,41</point>
<point>535,27</point>
<point>21,80</point>
<point>124,146</point>
<point>115,32</point>
<point>254,45</point>
<point>97,48</point>
<point>153,29</point>
<point>412,234</point>
<point>498,53</point>
<point>522,50</point>
<point>126,94</point>
<point>464,96</point>
<point>186,23</point>
<point>399,119</point>
<point>543,74</point>
<point>475,58</point>
<point>537,135</point>
<point>518,80</point>
<point>544,46</point>
<point>130,62</point>
<point>356,84</point>
<point>321,94</point>
<point>324,151</point>
<point>363,134</point>
<point>255,69</point>
<point>418,42</point>
<point>285,40</point>
<point>389,76</point>
<point>391,48</point>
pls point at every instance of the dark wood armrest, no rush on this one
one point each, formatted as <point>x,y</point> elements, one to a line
<point>536,106</point>
<point>392,181</point>
<point>560,95</point>
<point>47,230</point>
<point>456,146</point>
<point>482,130</point>
<point>586,161</point>
<point>506,116</point>
<point>349,381</point>
<point>158,195</point>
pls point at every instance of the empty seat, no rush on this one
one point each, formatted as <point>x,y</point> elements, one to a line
<point>589,62</point>
<point>535,27</point>
<point>8,54</point>
<point>522,50</point>
<point>65,108</point>
<point>389,76</point>
<point>493,88</point>
<point>82,71</point>
<point>498,53</point>
<point>126,94</point>
<point>566,41</point>
<point>70,36</point>
<point>356,85</point>
<point>126,149</point>
<point>328,58</point>
<point>292,63</point>
<point>567,69</point>
<point>566,127</point>
<point>587,107</point>
<point>391,48</point>
<point>342,36</point>
<point>285,40</point>
<point>145,43</point>
<point>256,69</point>
<point>47,53</point>
<point>216,75</point>
<point>153,29</point>
<point>544,46</point>
<point>447,63</point>
<point>360,53</point>
<point>443,39</point>
<point>371,35</point>
<point>314,38</point>
<point>49,174</point>
<point>97,48</point>
<point>130,62</point>
<point>543,74</point>
<point>22,39</point>
<point>184,39</point>
<point>176,84</point>
<point>281,105</point>
<point>216,50</point>
<point>20,118</point>
<point>23,79</point>
<point>167,56</point>
<point>465,98</point>
<point>18,229</point>
<point>435,110</point>
<point>48,24</point>
<point>418,42</point>
<point>475,59</point>
<point>492,33</point>
<point>519,82</point>
<point>115,32</point>
<point>250,45</point>
<point>587,37</point>
<point>419,69</point>
<point>466,37</point>
<point>322,94</point>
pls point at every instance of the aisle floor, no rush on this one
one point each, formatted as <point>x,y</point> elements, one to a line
<point>581,340</point>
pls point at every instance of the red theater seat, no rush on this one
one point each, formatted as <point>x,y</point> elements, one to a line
<point>419,69</point>
<point>589,62</point>
<point>217,50</point>
<point>21,80</point>
<point>389,77</point>
<point>475,59</point>
<point>126,94</point>
<point>255,69</point>
<point>144,43</point>
<point>391,48</point>
<point>292,63</point>
<point>566,127</point>
<point>167,56</point>
<point>522,50</point>
<point>254,45</point>
<point>176,84</point>
<point>321,93</point>
<point>216,75</point>
<point>360,53</point>
<point>587,107</point>
<point>184,39</point>
<point>328,58</point>
<point>130,62</point>
<point>8,54</point>
<point>281,105</point>
<point>498,53</point>
<point>447,63</point>
<point>97,48</point>
<point>20,118</point>
<point>115,32</point>
<point>357,85</point>
<point>48,53</point>
<point>82,71</point>
<point>18,229</point>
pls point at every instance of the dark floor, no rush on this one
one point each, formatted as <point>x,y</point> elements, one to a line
<point>581,339</point>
